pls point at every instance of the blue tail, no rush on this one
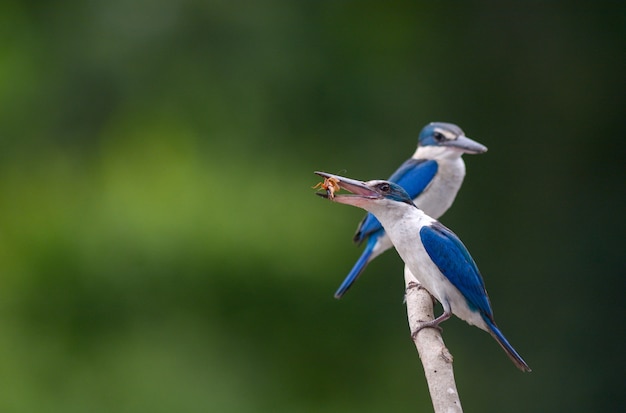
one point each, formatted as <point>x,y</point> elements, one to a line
<point>506,346</point>
<point>358,268</point>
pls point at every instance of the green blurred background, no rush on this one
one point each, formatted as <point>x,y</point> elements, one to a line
<point>161,249</point>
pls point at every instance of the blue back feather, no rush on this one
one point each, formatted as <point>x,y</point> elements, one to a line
<point>455,263</point>
<point>414,175</point>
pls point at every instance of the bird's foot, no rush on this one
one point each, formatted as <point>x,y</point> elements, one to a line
<point>432,323</point>
<point>426,324</point>
<point>413,284</point>
<point>410,286</point>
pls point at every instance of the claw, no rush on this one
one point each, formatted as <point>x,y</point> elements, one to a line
<point>432,324</point>
<point>427,324</point>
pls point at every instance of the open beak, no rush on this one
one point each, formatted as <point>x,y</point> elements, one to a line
<point>359,189</point>
<point>467,145</point>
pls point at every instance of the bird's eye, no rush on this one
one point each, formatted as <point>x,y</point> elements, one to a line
<point>384,187</point>
<point>439,137</point>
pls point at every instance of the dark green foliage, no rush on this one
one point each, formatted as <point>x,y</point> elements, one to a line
<point>161,249</point>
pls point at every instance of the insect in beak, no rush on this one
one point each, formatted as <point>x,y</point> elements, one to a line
<point>331,185</point>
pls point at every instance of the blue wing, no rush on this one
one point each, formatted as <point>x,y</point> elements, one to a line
<point>455,263</point>
<point>414,175</point>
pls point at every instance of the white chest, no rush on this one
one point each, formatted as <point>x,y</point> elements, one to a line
<point>440,194</point>
<point>403,230</point>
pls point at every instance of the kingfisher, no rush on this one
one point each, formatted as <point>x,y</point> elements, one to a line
<point>432,177</point>
<point>445,267</point>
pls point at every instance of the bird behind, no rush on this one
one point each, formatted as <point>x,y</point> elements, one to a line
<point>432,177</point>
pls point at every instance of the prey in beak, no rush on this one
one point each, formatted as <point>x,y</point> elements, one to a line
<point>363,193</point>
<point>335,183</point>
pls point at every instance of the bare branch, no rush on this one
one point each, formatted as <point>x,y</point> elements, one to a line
<point>436,358</point>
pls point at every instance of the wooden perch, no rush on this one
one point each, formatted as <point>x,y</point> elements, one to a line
<point>436,358</point>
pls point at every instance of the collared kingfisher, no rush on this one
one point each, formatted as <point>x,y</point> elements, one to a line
<point>432,177</point>
<point>445,267</point>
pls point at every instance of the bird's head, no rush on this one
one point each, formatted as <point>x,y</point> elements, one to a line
<point>369,195</point>
<point>440,137</point>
